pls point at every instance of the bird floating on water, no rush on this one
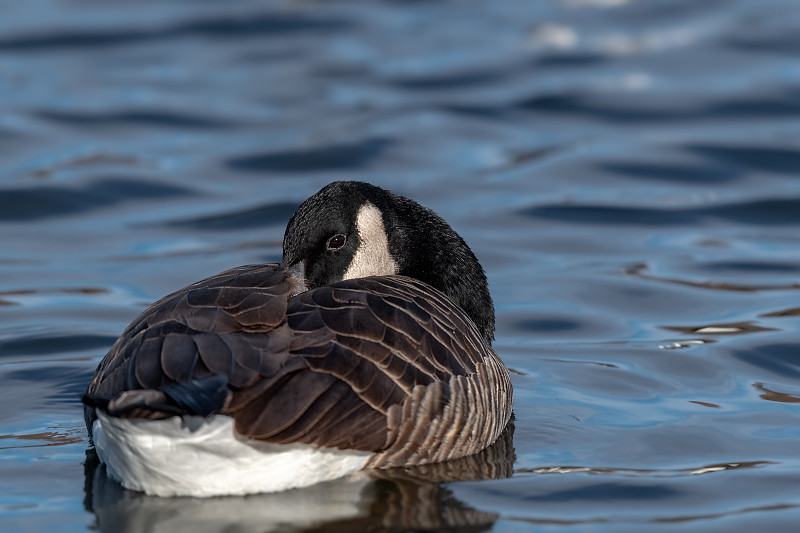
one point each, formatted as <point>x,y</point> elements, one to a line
<point>368,346</point>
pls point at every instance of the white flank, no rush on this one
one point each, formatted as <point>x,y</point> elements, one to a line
<point>196,456</point>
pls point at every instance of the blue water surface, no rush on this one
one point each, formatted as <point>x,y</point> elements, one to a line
<point>626,171</point>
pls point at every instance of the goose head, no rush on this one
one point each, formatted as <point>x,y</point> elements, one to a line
<point>352,229</point>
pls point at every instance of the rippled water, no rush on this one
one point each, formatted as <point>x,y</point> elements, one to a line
<point>626,171</point>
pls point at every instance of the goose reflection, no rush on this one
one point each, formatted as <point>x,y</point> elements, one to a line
<point>371,500</point>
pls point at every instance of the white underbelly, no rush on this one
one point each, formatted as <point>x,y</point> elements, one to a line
<point>196,456</point>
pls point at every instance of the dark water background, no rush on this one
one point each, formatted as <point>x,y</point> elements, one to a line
<point>627,171</point>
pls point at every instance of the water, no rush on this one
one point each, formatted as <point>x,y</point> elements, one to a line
<point>626,172</point>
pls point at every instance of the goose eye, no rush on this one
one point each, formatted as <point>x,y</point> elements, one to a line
<point>336,242</point>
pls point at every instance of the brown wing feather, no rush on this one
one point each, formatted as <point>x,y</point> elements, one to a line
<point>195,333</point>
<point>374,364</point>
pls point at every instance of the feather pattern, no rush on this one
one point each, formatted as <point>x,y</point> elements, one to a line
<point>387,365</point>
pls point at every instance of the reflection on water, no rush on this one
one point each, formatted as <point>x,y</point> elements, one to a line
<point>793,311</point>
<point>635,472</point>
<point>394,500</point>
<point>775,396</point>
<point>36,440</point>
<point>640,272</point>
<point>625,171</point>
<point>734,328</point>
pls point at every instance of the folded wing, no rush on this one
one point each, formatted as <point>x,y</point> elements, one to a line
<point>385,365</point>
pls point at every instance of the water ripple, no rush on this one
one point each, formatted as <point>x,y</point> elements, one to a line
<point>41,202</point>
<point>778,359</point>
<point>674,172</point>
<point>452,81</point>
<point>620,167</point>
<point>643,472</point>
<point>266,25</point>
<point>775,396</point>
<point>35,345</point>
<point>762,212</point>
<point>640,271</point>
<point>259,216</point>
<point>761,158</point>
<point>150,117</point>
<point>635,110</point>
<point>331,157</point>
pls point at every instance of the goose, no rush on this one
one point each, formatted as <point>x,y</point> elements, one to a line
<point>367,347</point>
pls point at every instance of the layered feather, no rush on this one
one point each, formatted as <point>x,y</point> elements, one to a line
<point>384,365</point>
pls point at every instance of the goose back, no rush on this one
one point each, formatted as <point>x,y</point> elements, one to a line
<point>387,365</point>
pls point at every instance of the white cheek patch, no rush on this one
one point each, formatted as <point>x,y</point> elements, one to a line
<point>372,258</point>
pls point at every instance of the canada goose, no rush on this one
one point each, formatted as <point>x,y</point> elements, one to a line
<point>369,346</point>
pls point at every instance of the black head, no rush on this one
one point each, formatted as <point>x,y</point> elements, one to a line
<point>352,229</point>
<point>331,228</point>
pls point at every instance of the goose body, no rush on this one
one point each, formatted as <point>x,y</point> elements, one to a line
<point>352,353</point>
